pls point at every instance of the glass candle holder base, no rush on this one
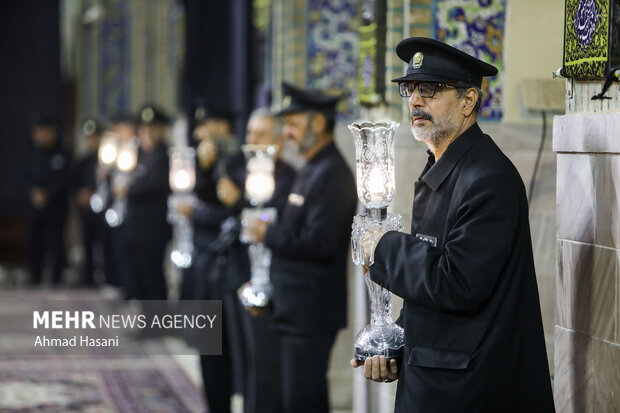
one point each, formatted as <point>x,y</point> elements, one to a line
<point>181,259</point>
<point>256,295</point>
<point>388,341</point>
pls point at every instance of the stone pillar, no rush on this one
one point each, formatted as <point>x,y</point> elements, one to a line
<point>587,335</point>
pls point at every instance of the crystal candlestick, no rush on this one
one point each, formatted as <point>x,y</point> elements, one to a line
<point>182,180</point>
<point>259,187</point>
<point>374,156</point>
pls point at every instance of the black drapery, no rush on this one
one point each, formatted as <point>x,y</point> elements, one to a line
<point>218,66</point>
<point>30,82</point>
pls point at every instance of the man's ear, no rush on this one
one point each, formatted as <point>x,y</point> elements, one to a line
<point>318,123</point>
<point>470,99</point>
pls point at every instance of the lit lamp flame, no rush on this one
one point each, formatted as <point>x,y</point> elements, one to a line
<point>126,160</point>
<point>181,180</point>
<point>376,183</point>
<point>260,186</point>
<point>108,150</point>
<point>182,176</point>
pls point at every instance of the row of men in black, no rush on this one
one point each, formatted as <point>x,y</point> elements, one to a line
<point>309,243</point>
<point>128,252</point>
<point>310,238</point>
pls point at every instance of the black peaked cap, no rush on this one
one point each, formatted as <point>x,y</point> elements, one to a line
<point>92,126</point>
<point>151,114</point>
<point>433,61</point>
<point>300,100</point>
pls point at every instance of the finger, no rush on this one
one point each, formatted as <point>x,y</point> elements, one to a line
<point>383,367</point>
<point>376,369</point>
<point>368,368</point>
<point>393,369</point>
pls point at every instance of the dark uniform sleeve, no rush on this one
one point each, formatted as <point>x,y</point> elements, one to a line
<point>208,215</point>
<point>155,182</point>
<point>460,277</point>
<point>60,181</point>
<point>328,212</point>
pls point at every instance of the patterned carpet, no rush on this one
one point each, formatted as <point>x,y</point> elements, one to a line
<point>92,383</point>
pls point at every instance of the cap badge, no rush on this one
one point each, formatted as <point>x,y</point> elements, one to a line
<point>200,114</point>
<point>89,127</point>
<point>286,102</point>
<point>417,60</point>
<point>147,114</point>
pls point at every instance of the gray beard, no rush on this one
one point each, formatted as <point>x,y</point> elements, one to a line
<point>436,134</point>
<point>308,143</point>
<point>291,155</point>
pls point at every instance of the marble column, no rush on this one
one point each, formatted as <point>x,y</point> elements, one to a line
<point>587,336</point>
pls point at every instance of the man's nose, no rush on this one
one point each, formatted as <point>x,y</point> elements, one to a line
<point>415,100</point>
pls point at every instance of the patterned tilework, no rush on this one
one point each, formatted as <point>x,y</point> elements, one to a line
<point>114,90</point>
<point>332,50</point>
<point>131,55</point>
<point>394,66</point>
<point>476,27</point>
<point>289,31</point>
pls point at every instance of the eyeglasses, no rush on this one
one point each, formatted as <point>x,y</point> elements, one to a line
<point>426,90</point>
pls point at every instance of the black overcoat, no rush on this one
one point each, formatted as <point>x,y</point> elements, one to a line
<point>310,242</point>
<point>147,199</point>
<point>473,331</point>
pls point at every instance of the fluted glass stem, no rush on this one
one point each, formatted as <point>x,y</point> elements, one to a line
<point>260,260</point>
<point>380,303</point>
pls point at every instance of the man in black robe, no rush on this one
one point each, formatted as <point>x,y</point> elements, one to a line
<point>92,224</point>
<point>147,229</point>
<point>47,176</point>
<point>310,243</point>
<point>473,331</point>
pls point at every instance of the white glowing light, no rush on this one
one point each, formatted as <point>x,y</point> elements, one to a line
<point>182,180</point>
<point>107,153</point>
<point>181,259</point>
<point>96,203</point>
<point>376,182</point>
<point>260,186</point>
<point>112,218</point>
<point>126,161</point>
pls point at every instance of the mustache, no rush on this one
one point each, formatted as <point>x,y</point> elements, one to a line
<point>419,113</point>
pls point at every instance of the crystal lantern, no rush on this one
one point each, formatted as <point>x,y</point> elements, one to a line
<point>374,158</point>
<point>182,178</point>
<point>108,150</point>
<point>259,187</point>
<point>125,162</point>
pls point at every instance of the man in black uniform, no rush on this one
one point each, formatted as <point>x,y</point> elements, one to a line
<point>85,184</point>
<point>263,386</point>
<point>310,242</point>
<point>118,273</point>
<point>47,181</point>
<point>147,229</point>
<point>473,330</point>
<point>218,267</point>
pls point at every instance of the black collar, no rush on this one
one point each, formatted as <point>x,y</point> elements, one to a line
<point>323,152</point>
<point>436,172</point>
